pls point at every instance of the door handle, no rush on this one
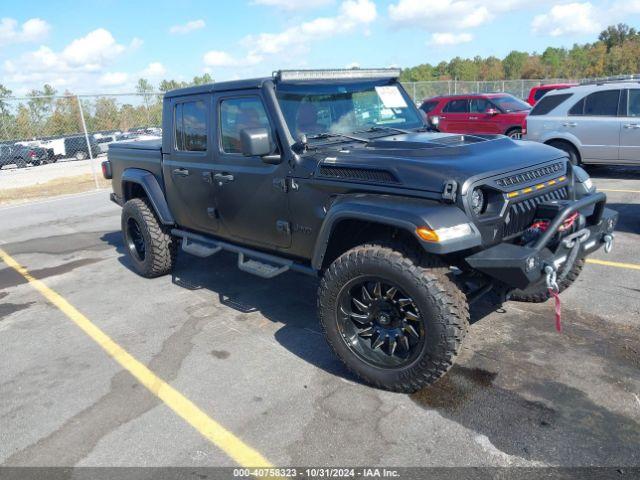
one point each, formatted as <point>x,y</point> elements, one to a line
<point>631,125</point>
<point>473,118</point>
<point>223,177</point>
<point>570,124</point>
<point>180,172</point>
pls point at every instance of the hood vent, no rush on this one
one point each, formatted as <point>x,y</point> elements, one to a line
<point>358,174</point>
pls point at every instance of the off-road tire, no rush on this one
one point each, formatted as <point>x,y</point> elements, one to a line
<point>80,155</point>
<point>443,305</point>
<point>161,248</point>
<point>539,292</point>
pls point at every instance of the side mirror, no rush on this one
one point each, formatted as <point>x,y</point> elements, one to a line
<point>255,142</point>
<point>492,112</point>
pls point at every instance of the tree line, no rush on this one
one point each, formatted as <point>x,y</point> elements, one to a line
<point>616,52</point>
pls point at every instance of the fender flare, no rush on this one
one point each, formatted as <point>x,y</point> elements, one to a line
<point>401,212</point>
<point>155,194</point>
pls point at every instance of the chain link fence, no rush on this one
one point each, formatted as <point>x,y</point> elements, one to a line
<point>37,131</point>
<point>518,88</point>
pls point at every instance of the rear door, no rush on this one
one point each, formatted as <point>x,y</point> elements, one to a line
<point>630,132</point>
<point>479,120</point>
<point>594,121</point>
<point>187,166</point>
<point>455,116</point>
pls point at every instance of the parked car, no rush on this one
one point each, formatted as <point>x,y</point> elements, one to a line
<point>594,123</point>
<point>490,113</point>
<point>74,146</point>
<point>22,155</point>
<point>536,93</point>
<point>334,174</point>
<point>104,140</point>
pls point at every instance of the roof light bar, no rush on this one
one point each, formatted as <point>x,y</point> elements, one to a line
<point>613,79</point>
<point>336,74</point>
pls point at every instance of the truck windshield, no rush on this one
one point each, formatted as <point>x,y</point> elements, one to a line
<point>315,109</point>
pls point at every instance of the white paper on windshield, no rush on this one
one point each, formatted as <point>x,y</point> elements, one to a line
<point>391,97</point>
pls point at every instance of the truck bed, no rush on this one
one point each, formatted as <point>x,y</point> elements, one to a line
<point>142,154</point>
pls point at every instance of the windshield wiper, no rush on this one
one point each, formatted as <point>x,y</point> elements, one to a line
<point>323,136</point>
<point>377,128</point>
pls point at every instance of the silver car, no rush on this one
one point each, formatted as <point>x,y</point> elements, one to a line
<point>593,123</point>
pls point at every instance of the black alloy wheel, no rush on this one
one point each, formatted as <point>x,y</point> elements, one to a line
<point>135,240</point>
<point>380,323</point>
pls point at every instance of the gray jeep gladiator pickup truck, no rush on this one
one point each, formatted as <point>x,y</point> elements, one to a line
<point>333,173</point>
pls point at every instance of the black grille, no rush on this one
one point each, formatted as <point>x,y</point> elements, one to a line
<point>363,174</point>
<point>531,175</point>
<point>522,214</point>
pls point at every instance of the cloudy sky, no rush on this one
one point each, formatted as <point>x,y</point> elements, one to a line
<point>106,45</point>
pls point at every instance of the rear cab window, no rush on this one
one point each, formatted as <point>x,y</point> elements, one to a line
<point>549,103</point>
<point>190,126</point>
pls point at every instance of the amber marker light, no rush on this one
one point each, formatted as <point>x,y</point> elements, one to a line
<point>427,234</point>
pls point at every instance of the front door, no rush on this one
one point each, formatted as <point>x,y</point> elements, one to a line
<point>187,165</point>
<point>479,120</point>
<point>251,194</point>
<point>630,131</point>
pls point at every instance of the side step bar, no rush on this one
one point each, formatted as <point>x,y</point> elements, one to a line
<point>251,261</point>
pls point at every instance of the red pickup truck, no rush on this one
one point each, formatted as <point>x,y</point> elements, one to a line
<point>494,113</point>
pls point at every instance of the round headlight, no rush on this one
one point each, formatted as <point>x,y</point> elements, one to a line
<point>477,201</point>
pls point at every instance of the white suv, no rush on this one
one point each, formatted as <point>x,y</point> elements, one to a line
<point>593,123</point>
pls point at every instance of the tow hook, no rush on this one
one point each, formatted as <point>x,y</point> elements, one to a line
<point>552,278</point>
<point>608,243</point>
<point>554,290</point>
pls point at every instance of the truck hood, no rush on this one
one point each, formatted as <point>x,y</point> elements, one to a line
<point>425,161</point>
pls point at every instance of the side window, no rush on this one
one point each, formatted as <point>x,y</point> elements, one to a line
<point>457,106</point>
<point>479,105</point>
<point>603,103</point>
<point>548,103</point>
<point>633,109</point>
<point>236,114</point>
<point>539,94</point>
<point>190,120</point>
<point>428,106</point>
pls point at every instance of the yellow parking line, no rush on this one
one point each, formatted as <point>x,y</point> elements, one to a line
<point>632,266</point>
<point>222,438</point>
<point>618,191</point>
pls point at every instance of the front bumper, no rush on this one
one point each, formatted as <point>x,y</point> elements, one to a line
<point>522,266</point>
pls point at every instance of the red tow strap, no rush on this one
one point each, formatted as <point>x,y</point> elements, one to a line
<point>556,298</point>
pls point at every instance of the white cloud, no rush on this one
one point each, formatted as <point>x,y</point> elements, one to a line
<point>585,18</point>
<point>352,14</point>
<point>455,14</point>
<point>32,30</point>
<point>187,27</point>
<point>154,69</point>
<point>294,5</point>
<point>448,38</point>
<point>95,48</point>
<point>79,65</point>
<point>112,79</point>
